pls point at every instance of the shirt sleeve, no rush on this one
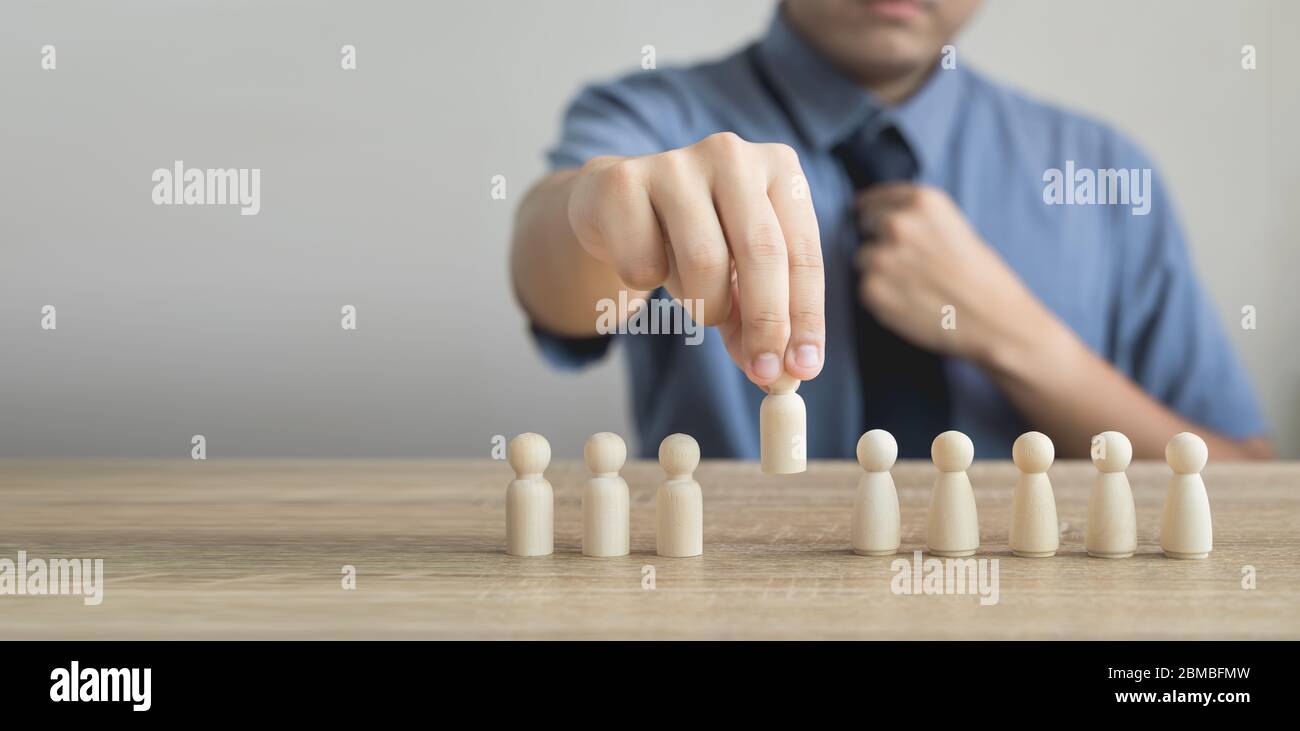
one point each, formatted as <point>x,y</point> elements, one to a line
<point>640,114</point>
<point>1170,339</point>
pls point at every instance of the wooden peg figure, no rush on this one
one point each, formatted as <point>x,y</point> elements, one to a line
<point>952,526</point>
<point>605,508</point>
<point>530,501</point>
<point>679,504</point>
<point>1185,530</point>
<point>783,429</point>
<point>1034,530</point>
<point>875,525</point>
<point>1112,516</point>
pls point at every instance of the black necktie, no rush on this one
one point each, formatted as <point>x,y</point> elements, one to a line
<point>904,388</point>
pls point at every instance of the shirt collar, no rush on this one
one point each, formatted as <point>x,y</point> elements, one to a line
<point>826,105</point>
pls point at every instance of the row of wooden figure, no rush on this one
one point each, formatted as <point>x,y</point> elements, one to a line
<point>952,525</point>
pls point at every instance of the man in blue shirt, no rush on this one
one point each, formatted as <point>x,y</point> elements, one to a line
<point>924,248</point>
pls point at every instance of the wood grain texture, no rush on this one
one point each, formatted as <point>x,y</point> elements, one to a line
<point>254,549</point>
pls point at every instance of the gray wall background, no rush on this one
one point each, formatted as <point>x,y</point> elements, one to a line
<point>174,321</point>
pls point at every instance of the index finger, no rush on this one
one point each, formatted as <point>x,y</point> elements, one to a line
<point>758,248</point>
<point>792,202</point>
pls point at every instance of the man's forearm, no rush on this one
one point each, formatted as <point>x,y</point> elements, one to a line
<point>1059,385</point>
<point>556,280</point>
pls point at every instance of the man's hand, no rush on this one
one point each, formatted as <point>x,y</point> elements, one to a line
<point>726,222</point>
<point>922,256</point>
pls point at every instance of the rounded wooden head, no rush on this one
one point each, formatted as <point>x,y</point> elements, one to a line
<point>1033,452</point>
<point>785,384</point>
<point>1111,451</point>
<point>605,452</point>
<point>952,451</point>
<point>679,454</point>
<point>877,451</point>
<point>529,454</point>
<point>1186,453</point>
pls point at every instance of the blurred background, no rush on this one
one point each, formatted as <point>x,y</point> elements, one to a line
<point>183,320</point>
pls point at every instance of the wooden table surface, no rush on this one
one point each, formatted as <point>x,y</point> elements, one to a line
<point>256,548</point>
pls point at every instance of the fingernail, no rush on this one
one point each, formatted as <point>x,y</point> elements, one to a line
<point>767,365</point>
<point>808,356</point>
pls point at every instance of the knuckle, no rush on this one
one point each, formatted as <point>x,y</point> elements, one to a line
<point>929,200</point>
<point>597,164</point>
<point>926,195</point>
<point>621,179</point>
<point>766,244</point>
<point>724,140</point>
<point>727,146</point>
<point>708,258</point>
<point>642,270</point>
<point>784,155</point>
<point>810,319</point>
<point>675,164</point>
<point>805,259</point>
<point>891,226</point>
<point>766,321</point>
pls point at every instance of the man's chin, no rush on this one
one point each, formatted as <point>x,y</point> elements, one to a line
<point>881,54</point>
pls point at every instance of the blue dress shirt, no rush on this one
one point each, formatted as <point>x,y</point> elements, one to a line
<point>1123,281</point>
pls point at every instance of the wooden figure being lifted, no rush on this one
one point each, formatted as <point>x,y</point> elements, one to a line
<point>783,429</point>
